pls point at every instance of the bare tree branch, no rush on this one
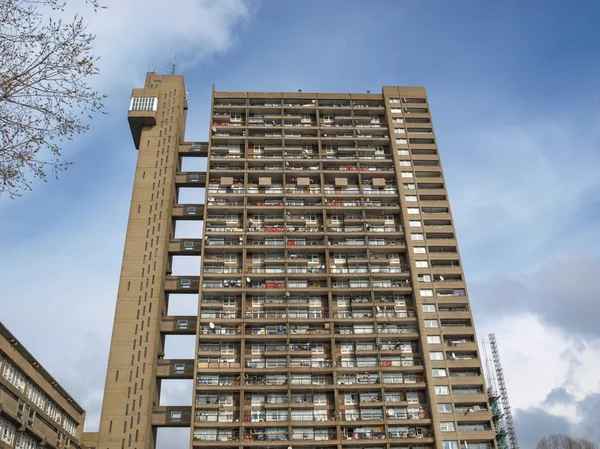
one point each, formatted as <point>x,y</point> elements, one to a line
<point>45,66</point>
<point>561,441</point>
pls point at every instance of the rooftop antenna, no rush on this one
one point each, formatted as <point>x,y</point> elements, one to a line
<point>368,91</point>
<point>172,65</point>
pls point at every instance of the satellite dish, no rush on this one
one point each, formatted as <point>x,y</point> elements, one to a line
<point>378,309</point>
<point>287,294</point>
<point>248,280</point>
<point>314,101</point>
<point>211,325</point>
<point>441,277</point>
<point>391,412</point>
<point>214,129</point>
<point>287,163</point>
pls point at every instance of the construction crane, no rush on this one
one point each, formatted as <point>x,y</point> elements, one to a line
<point>506,436</point>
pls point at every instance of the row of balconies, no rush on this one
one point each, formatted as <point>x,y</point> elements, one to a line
<point>280,202</point>
<point>299,104</point>
<point>309,269</point>
<point>231,134</point>
<point>180,283</point>
<point>320,415</point>
<point>351,190</point>
<point>272,434</point>
<point>277,121</point>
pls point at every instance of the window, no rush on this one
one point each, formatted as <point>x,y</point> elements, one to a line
<point>417,237</point>
<point>24,441</point>
<point>143,104</point>
<point>403,163</point>
<point>447,426</point>
<point>36,396</point>
<point>337,219</point>
<point>428,307</point>
<point>450,445</point>
<point>179,368</point>
<point>434,339</point>
<point>419,250</point>
<point>414,223</point>
<point>14,376</point>
<point>422,264</point>
<point>396,110</point>
<point>230,258</point>
<point>426,292</point>
<point>412,397</point>
<point>397,120</point>
<point>403,153</point>
<point>444,408</point>
<point>439,372</point>
<point>442,390</point>
<point>53,411</point>
<point>412,211</point>
<point>410,198</point>
<point>7,431</point>
<point>424,278</point>
<point>410,186</point>
<point>229,301</point>
<point>175,416</point>
<point>431,323</point>
<point>394,100</point>
<point>407,174</point>
<point>399,131</point>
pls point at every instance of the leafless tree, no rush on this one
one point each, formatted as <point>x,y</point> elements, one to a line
<point>561,441</point>
<point>45,99</point>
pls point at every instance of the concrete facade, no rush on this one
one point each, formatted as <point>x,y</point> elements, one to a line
<point>332,305</point>
<point>35,411</point>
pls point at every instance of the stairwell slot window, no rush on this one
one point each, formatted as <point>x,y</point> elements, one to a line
<point>143,104</point>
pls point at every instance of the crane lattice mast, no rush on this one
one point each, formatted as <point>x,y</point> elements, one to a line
<point>511,436</point>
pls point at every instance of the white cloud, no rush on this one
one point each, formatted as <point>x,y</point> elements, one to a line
<point>134,36</point>
<point>537,358</point>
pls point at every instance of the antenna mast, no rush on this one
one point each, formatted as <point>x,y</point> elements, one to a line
<point>498,394</point>
<point>172,66</point>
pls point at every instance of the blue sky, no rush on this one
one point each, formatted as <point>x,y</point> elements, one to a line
<point>514,93</point>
